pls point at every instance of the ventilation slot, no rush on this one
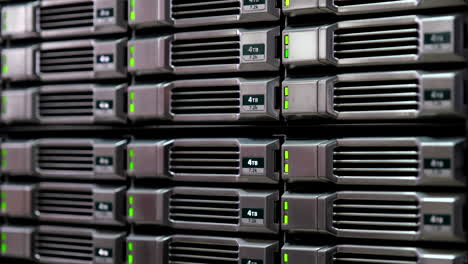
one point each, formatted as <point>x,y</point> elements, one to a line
<point>66,16</point>
<point>208,51</point>
<point>183,9</point>
<point>65,159</point>
<point>64,248</point>
<point>66,104</point>
<point>206,100</point>
<point>202,253</point>
<point>376,215</point>
<point>376,41</point>
<point>365,2</point>
<point>204,160</point>
<point>67,60</point>
<point>65,202</point>
<point>376,96</point>
<point>355,258</point>
<point>204,208</point>
<point>376,162</point>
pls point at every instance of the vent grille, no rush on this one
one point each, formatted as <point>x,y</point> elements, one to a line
<point>204,208</point>
<point>365,2</point>
<point>377,41</point>
<point>67,60</point>
<point>64,248</point>
<point>65,159</point>
<point>66,104</point>
<point>376,96</point>
<point>376,162</point>
<point>64,202</point>
<point>184,9</point>
<point>206,100</point>
<point>65,16</point>
<point>356,258</point>
<point>202,253</point>
<point>204,160</point>
<point>376,215</point>
<point>206,51</point>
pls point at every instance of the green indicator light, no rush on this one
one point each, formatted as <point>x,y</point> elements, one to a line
<point>286,2</point>
<point>286,40</point>
<point>130,200</point>
<point>4,162</point>
<point>286,91</point>
<point>286,219</point>
<point>130,259</point>
<point>285,257</point>
<point>130,246</point>
<point>132,95</point>
<point>130,212</point>
<point>286,168</point>
<point>286,154</point>
<point>286,104</point>
<point>3,195</point>
<point>131,108</point>
<point>132,62</point>
<point>132,15</point>
<point>286,53</point>
<point>3,206</point>
<point>285,205</point>
<point>4,247</point>
<point>3,237</point>
<point>5,69</point>
<point>132,4</point>
<point>4,103</point>
<point>131,165</point>
<point>132,49</point>
<point>131,153</point>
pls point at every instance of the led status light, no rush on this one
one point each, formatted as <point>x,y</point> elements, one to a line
<point>132,11</point>
<point>130,255</point>
<point>131,106</point>
<point>131,211</point>
<point>131,60</point>
<point>4,66</point>
<point>3,246</point>
<point>3,204</point>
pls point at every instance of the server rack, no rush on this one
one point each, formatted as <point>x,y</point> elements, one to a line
<point>233,131</point>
